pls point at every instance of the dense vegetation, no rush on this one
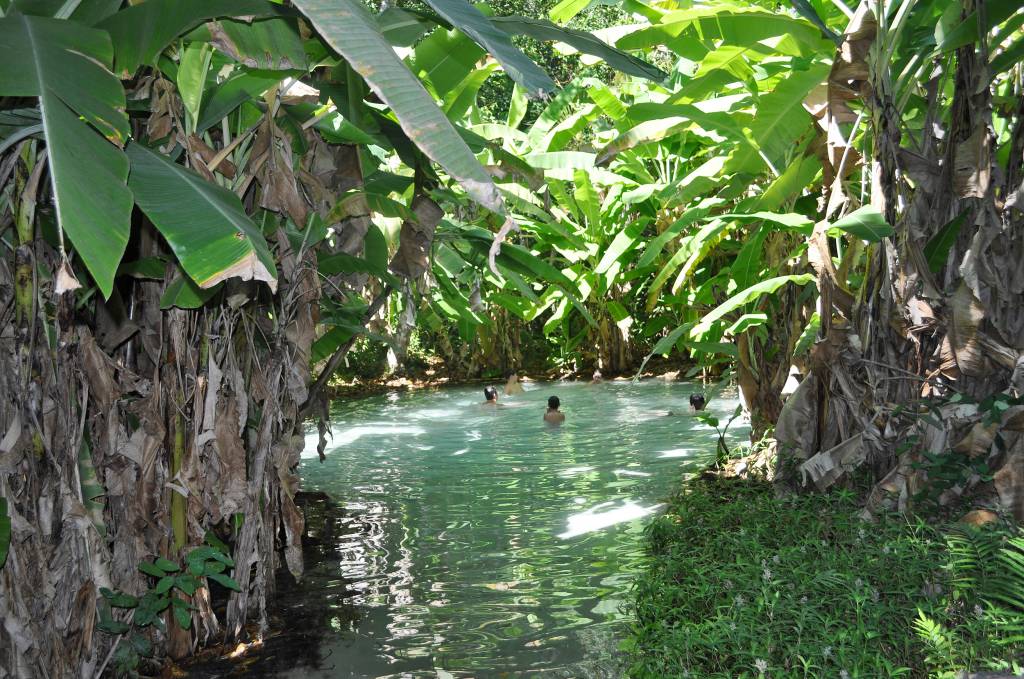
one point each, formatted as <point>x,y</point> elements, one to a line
<point>747,584</point>
<point>205,205</point>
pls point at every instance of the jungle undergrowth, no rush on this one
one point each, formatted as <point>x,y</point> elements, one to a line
<point>746,584</point>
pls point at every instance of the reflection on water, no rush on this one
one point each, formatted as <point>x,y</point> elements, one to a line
<point>476,541</point>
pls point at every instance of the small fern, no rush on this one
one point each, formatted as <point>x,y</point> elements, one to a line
<point>1006,585</point>
<point>939,643</point>
<point>971,563</point>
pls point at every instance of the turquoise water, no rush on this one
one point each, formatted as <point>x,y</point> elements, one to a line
<point>480,541</point>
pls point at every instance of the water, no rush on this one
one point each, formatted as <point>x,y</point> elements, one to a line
<point>481,542</point>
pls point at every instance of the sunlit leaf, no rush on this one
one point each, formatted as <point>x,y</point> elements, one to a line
<point>865,223</point>
<point>746,296</point>
<point>67,66</point>
<point>471,21</point>
<point>350,29</point>
<point>203,223</point>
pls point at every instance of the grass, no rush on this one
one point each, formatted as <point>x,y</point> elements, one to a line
<point>744,584</point>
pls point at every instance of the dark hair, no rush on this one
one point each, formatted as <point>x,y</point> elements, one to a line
<point>490,393</point>
<point>553,403</point>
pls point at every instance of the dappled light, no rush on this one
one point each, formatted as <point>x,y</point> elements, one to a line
<point>373,339</point>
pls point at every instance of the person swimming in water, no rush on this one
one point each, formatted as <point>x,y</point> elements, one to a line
<point>597,377</point>
<point>512,386</point>
<point>491,394</point>
<point>697,402</point>
<point>554,415</point>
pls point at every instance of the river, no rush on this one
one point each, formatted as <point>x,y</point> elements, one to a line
<point>478,541</point>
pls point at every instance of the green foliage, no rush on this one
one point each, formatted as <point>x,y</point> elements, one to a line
<point>82,106</point>
<point>5,531</point>
<point>350,29</point>
<point>722,453</point>
<point>203,223</point>
<point>206,562</point>
<point>745,584</point>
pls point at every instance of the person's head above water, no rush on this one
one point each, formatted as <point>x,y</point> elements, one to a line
<point>697,401</point>
<point>491,394</point>
<point>554,403</point>
<point>597,376</point>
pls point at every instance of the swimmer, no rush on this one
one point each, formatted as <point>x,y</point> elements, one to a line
<point>697,402</point>
<point>491,394</point>
<point>512,386</point>
<point>554,415</point>
<point>597,377</point>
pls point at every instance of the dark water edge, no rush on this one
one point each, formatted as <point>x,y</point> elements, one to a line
<point>305,614</point>
<point>302,614</point>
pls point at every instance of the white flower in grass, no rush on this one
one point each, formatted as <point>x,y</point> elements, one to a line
<point>761,665</point>
<point>886,549</point>
<point>858,583</point>
<point>843,674</point>
<point>727,584</point>
<point>827,652</point>
<point>861,533</point>
<point>978,611</point>
<point>732,626</point>
<point>739,601</point>
<point>803,549</point>
<point>803,600</point>
<point>875,596</point>
<point>776,559</point>
<point>767,574</point>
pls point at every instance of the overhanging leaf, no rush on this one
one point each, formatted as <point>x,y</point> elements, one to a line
<point>67,67</point>
<point>745,296</point>
<point>140,32</point>
<point>203,223</point>
<point>865,223</point>
<point>471,21</point>
<point>542,29</point>
<point>350,29</point>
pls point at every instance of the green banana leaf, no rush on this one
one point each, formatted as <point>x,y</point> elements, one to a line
<point>203,223</point>
<point>5,531</point>
<point>471,21</point>
<point>350,29</point>
<point>866,223</point>
<point>541,29</point>
<point>141,32</point>
<point>745,296</point>
<point>67,66</point>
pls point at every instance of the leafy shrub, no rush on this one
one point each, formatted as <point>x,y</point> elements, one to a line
<point>207,562</point>
<point>745,584</point>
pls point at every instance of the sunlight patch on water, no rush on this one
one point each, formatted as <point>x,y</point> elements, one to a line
<point>677,452</point>
<point>594,519</point>
<point>630,472</point>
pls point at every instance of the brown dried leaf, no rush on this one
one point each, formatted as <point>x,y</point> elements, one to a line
<point>972,165</point>
<point>231,455</point>
<point>416,240</point>
<point>100,369</point>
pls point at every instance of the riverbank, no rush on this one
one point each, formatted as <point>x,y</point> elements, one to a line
<point>742,583</point>
<point>357,387</point>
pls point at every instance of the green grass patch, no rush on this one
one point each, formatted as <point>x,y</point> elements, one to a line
<point>744,584</point>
